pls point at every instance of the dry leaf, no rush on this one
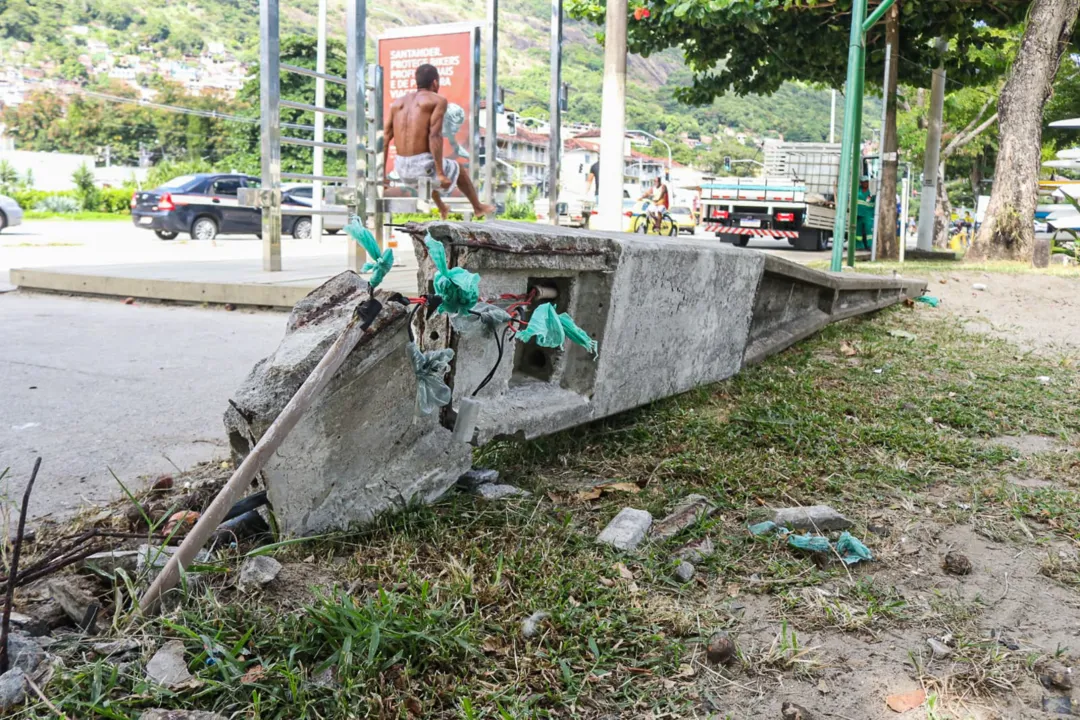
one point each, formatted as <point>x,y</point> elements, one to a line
<point>415,708</point>
<point>593,494</point>
<point>253,675</point>
<point>902,702</point>
<point>181,522</point>
<point>607,582</point>
<point>733,590</point>
<point>620,487</point>
<point>847,349</point>
<point>686,671</point>
<point>491,644</point>
<point>624,572</point>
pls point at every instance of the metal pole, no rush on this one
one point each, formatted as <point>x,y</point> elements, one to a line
<point>270,109</point>
<point>375,156</point>
<point>320,123</point>
<point>555,137</point>
<point>905,190</point>
<point>474,121</point>
<point>881,149</point>
<point>491,139</point>
<point>832,119</point>
<point>850,137</point>
<point>928,199</point>
<point>613,117</point>
<point>856,148</point>
<point>356,122</point>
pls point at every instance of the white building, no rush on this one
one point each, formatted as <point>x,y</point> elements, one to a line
<point>51,171</point>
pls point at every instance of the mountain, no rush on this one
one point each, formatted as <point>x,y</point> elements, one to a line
<point>60,36</point>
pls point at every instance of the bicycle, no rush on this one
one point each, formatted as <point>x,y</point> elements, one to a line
<point>642,224</point>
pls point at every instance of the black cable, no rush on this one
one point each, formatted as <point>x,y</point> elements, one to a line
<point>499,344</point>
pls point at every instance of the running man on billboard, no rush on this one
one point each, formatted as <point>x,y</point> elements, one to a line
<point>415,126</point>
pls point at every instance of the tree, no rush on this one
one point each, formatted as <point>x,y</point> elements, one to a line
<point>888,248</point>
<point>1007,231</point>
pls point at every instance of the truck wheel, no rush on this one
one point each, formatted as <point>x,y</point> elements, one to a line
<point>791,241</point>
<point>810,239</point>
<point>165,234</point>
<point>742,240</point>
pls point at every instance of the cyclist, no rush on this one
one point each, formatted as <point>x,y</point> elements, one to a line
<point>659,202</point>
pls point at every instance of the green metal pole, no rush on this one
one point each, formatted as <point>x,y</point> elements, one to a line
<point>877,15</point>
<point>851,117</point>
<point>856,156</point>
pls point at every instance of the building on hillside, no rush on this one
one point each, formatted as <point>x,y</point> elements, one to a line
<point>522,158</point>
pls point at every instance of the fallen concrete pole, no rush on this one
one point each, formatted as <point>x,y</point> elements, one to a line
<point>669,314</point>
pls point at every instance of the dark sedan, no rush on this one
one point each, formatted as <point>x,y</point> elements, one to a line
<point>205,205</point>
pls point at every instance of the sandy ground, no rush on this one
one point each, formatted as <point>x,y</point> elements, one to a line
<point>1037,312</point>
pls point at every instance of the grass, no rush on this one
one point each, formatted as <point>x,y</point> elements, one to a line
<point>420,614</point>
<point>921,268</point>
<point>81,215</point>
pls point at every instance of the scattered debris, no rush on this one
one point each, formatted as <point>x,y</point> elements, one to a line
<point>180,522</point>
<point>500,492</point>
<point>940,649</point>
<point>168,666</point>
<point>626,530</point>
<point>23,653</point>
<point>129,301</point>
<point>847,349</point>
<point>1044,379</point>
<point>78,604</point>
<point>12,688</point>
<point>978,286</point>
<point>903,334</point>
<point>246,526</point>
<point>686,513</point>
<point>720,649</point>
<point>902,702</point>
<point>258,571</point>
<point>154,557</point>
<point>161,714</point>
<point>115,647</point>
<point>814,517</point>
<point>110,561</point>
<point>696,551</point>
<point>41,618</point>
<point>793,711</point>
<point>597,491</point>
<point>956,563</point>
<point>850,549</point>
<point>1056,675</point>
<point>1057,705</point>
<point>530,626</point>
<point>162,483</point>
<point>476,477</point>
<point>929,299</point>
<point>684,572</point>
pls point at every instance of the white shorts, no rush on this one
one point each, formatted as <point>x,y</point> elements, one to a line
<point>413,167</point>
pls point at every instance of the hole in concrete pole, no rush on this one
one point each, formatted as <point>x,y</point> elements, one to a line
<point>434,335</point>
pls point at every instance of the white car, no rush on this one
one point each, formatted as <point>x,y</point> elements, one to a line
<point>10,213</point>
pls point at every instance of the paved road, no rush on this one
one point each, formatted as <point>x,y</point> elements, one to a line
<point>91,385</point>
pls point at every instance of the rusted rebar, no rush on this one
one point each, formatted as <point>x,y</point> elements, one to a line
<point>13,573</point>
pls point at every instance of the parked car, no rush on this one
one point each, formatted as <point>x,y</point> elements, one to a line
<point>10,213</point>
<point>300,194</point>
<point>205,205</point>
<point>684,219</point>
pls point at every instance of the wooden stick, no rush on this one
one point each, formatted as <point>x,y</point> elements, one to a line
<point>13,572</point>
<point>33,686</point>
<point>270,441</point>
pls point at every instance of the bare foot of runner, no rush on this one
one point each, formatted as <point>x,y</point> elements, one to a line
<point>483,210</point>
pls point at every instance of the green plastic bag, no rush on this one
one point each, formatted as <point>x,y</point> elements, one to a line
<point>544,327</point>
<point>430,367</point>
<point>577,335</point>
<point>762,528</point>
<point>458,288</point>
<point>813,543</point>
<point>851,549</point>
<point>929,300</point>
<point>483,319</point>
<point>381,262</point>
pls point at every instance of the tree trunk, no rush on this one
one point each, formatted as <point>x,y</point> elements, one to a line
<point>942,212</point>
<point>1008,231</point>
<point>976,176</point>
<point>888,248</point>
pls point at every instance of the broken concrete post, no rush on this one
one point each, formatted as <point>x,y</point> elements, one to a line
<point>626,530</point>
<point>691,509</point>
<point>812,518</point>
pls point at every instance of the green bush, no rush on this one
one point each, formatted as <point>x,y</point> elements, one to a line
<point>58,204</point>
<point>29,199</point>
<point>115,200</point>
<point>85,188</point>
<point>168,169</point>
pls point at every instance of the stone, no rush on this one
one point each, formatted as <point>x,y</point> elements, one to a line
<point>43,617</point>
<point>168,666</point>
<point>79,605</point>
<point>110,561</point>
<point>696,551</point>
<point>979,286</point>
<point>12,689</point>
<point>116,647</point>
<point>500,492</point>
<point>1057,675</point>
<point>626,530</point>
<point>24,653</point>
<point>151,558</point>
<point>1062,259</point>
<point>161,714</point>
<point>1057,705</point>
<point>684,572</point>
<point>794,711</point>
<point>940,649</point>
<point>475,477</point>
<point>1040,252</point>
<point>956,563</point>
<point>720,649</point>
<point>686,513</point>
<point>812,518</point>
<point>258,571</point>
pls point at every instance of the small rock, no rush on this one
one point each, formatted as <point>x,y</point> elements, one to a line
<point>110,561</point>
<point>12,689</point>
<point>939,648</point>
<point>956,563</point>
<point>115,647</point>
<point>626,530</point>
<point>1044,379</point>
<point>129,301</point>
<point>815,517</point>
<point>500,492</point>
<point>978,286</point>
<point>152,558</point>
<point>686,513</point>
<point>1057,675</point>
<point>684,572</point>
<point>476,477</point>
<point>258,571</point>
<point>902,702</point>
<point>696,551</point>
<point>168,666</point>
<point>879,530</point>
<point>720,650</point>
<point>44,617</point>
<point>23,653</point>
<point>1057,705</point>
<point>1061,259</point>
<point>79,605</point>
<point>163,482</point>
<point>793,711</point>
<point>229,307</point>
<point>530,626</point>
<point>160,714</point>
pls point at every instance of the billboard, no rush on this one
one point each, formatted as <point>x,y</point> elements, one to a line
<point>455,50</point>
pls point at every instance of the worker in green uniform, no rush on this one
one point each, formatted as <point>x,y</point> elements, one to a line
<point>864,217</point>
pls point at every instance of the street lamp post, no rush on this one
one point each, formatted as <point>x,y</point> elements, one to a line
<point>650,135</point>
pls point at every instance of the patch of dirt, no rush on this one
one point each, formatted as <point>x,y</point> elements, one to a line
<point>1028,444</point>
<point>1037,312</point>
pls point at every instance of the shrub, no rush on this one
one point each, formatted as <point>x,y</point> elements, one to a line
<point>115,200</point>
<point>58,204</point>
<point>85,188</point>
<point>168,169</point>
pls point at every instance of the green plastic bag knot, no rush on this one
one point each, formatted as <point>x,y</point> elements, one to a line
<point>544,327</point>
<point>577,335</point>
<point>381,262</point>
<point>852,549</point>
<point>483,318</point>
<point>430,367</point>
<point>458,288</point>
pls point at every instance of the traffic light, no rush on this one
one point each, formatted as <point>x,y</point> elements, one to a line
<point>727,163</point>
<point>564,97</point>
